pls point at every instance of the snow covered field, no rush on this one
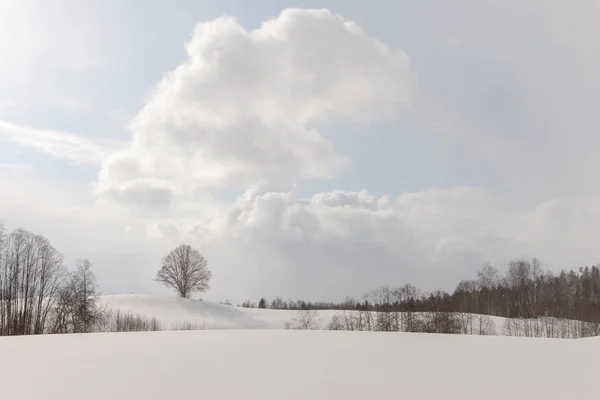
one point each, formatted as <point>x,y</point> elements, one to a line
<point>207,315</point>
<point>245,354</point>
<point>203,314</point>
<point>270,364</point>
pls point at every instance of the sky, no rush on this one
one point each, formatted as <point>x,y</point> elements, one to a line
<point>307,149</point>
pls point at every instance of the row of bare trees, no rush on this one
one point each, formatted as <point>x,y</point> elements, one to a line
<point>527,291</point>
<point>524,291</point>
<point>547,327</point>
<point>406,309</point>
<point>538,302</point>
<point>425,322</point>
<point>37,294</point>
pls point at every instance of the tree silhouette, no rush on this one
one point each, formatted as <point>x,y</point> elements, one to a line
<point>185,270</point>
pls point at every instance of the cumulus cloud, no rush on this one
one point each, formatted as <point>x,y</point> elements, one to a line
<point>359,217</point>
<point>327,246</point>
<point>244,109</point>
<point>340,243</point>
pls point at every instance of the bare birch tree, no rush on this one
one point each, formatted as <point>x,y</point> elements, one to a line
<point>86,311</point>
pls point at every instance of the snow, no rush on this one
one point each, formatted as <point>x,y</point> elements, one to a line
<point>204,314</point>
<point>284,364</point>
<point>245,354</point>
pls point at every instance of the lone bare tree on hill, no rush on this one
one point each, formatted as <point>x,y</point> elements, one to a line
<point>185,270</point>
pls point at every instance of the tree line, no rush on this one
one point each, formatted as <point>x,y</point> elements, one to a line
<point>524,291</point>
<point>537,302</point>
<point>39,295</point>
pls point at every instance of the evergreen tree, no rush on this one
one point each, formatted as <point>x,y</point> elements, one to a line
<point>262,303</point>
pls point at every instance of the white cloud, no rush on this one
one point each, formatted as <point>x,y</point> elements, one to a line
<point>247,110</point>
<point>327,246</point>
<point>243,109</point>
<point>341,243</point>
<point>74,148</point>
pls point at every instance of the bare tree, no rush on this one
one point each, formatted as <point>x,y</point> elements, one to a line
<point>467,304</point>
<point>51,275</point>
<point>337,323</point>
<point>487,276</point>
<point>185,270</point>
<point>62,316</point>
<point>486,325</point>
<point>119,321</point>
<point>277,304</point>
<point>248,304</point>
<point>86,310</point>
<point>76,309</point>
<point>388,317</point>
<point>536,275</point>
<point>305,320</point>
<point>30,277</point>
<point>308,319</point>
<point>407,296</point>
<point>360,320</point>
<point>519,277</point>
<point>487,279</point>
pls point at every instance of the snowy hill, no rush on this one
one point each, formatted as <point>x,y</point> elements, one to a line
<point>245,354</point>
<point>265,365</point>
<point>171,311</point>
<point>203,314</point>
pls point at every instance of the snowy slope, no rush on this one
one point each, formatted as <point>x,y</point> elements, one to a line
<point>207,315</point>
<point>203,314</point>
<point>261,364</point>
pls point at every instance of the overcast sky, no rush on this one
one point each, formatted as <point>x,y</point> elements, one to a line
<point>307,149</point>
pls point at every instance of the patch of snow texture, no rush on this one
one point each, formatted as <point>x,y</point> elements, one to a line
<point>279,364</point>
